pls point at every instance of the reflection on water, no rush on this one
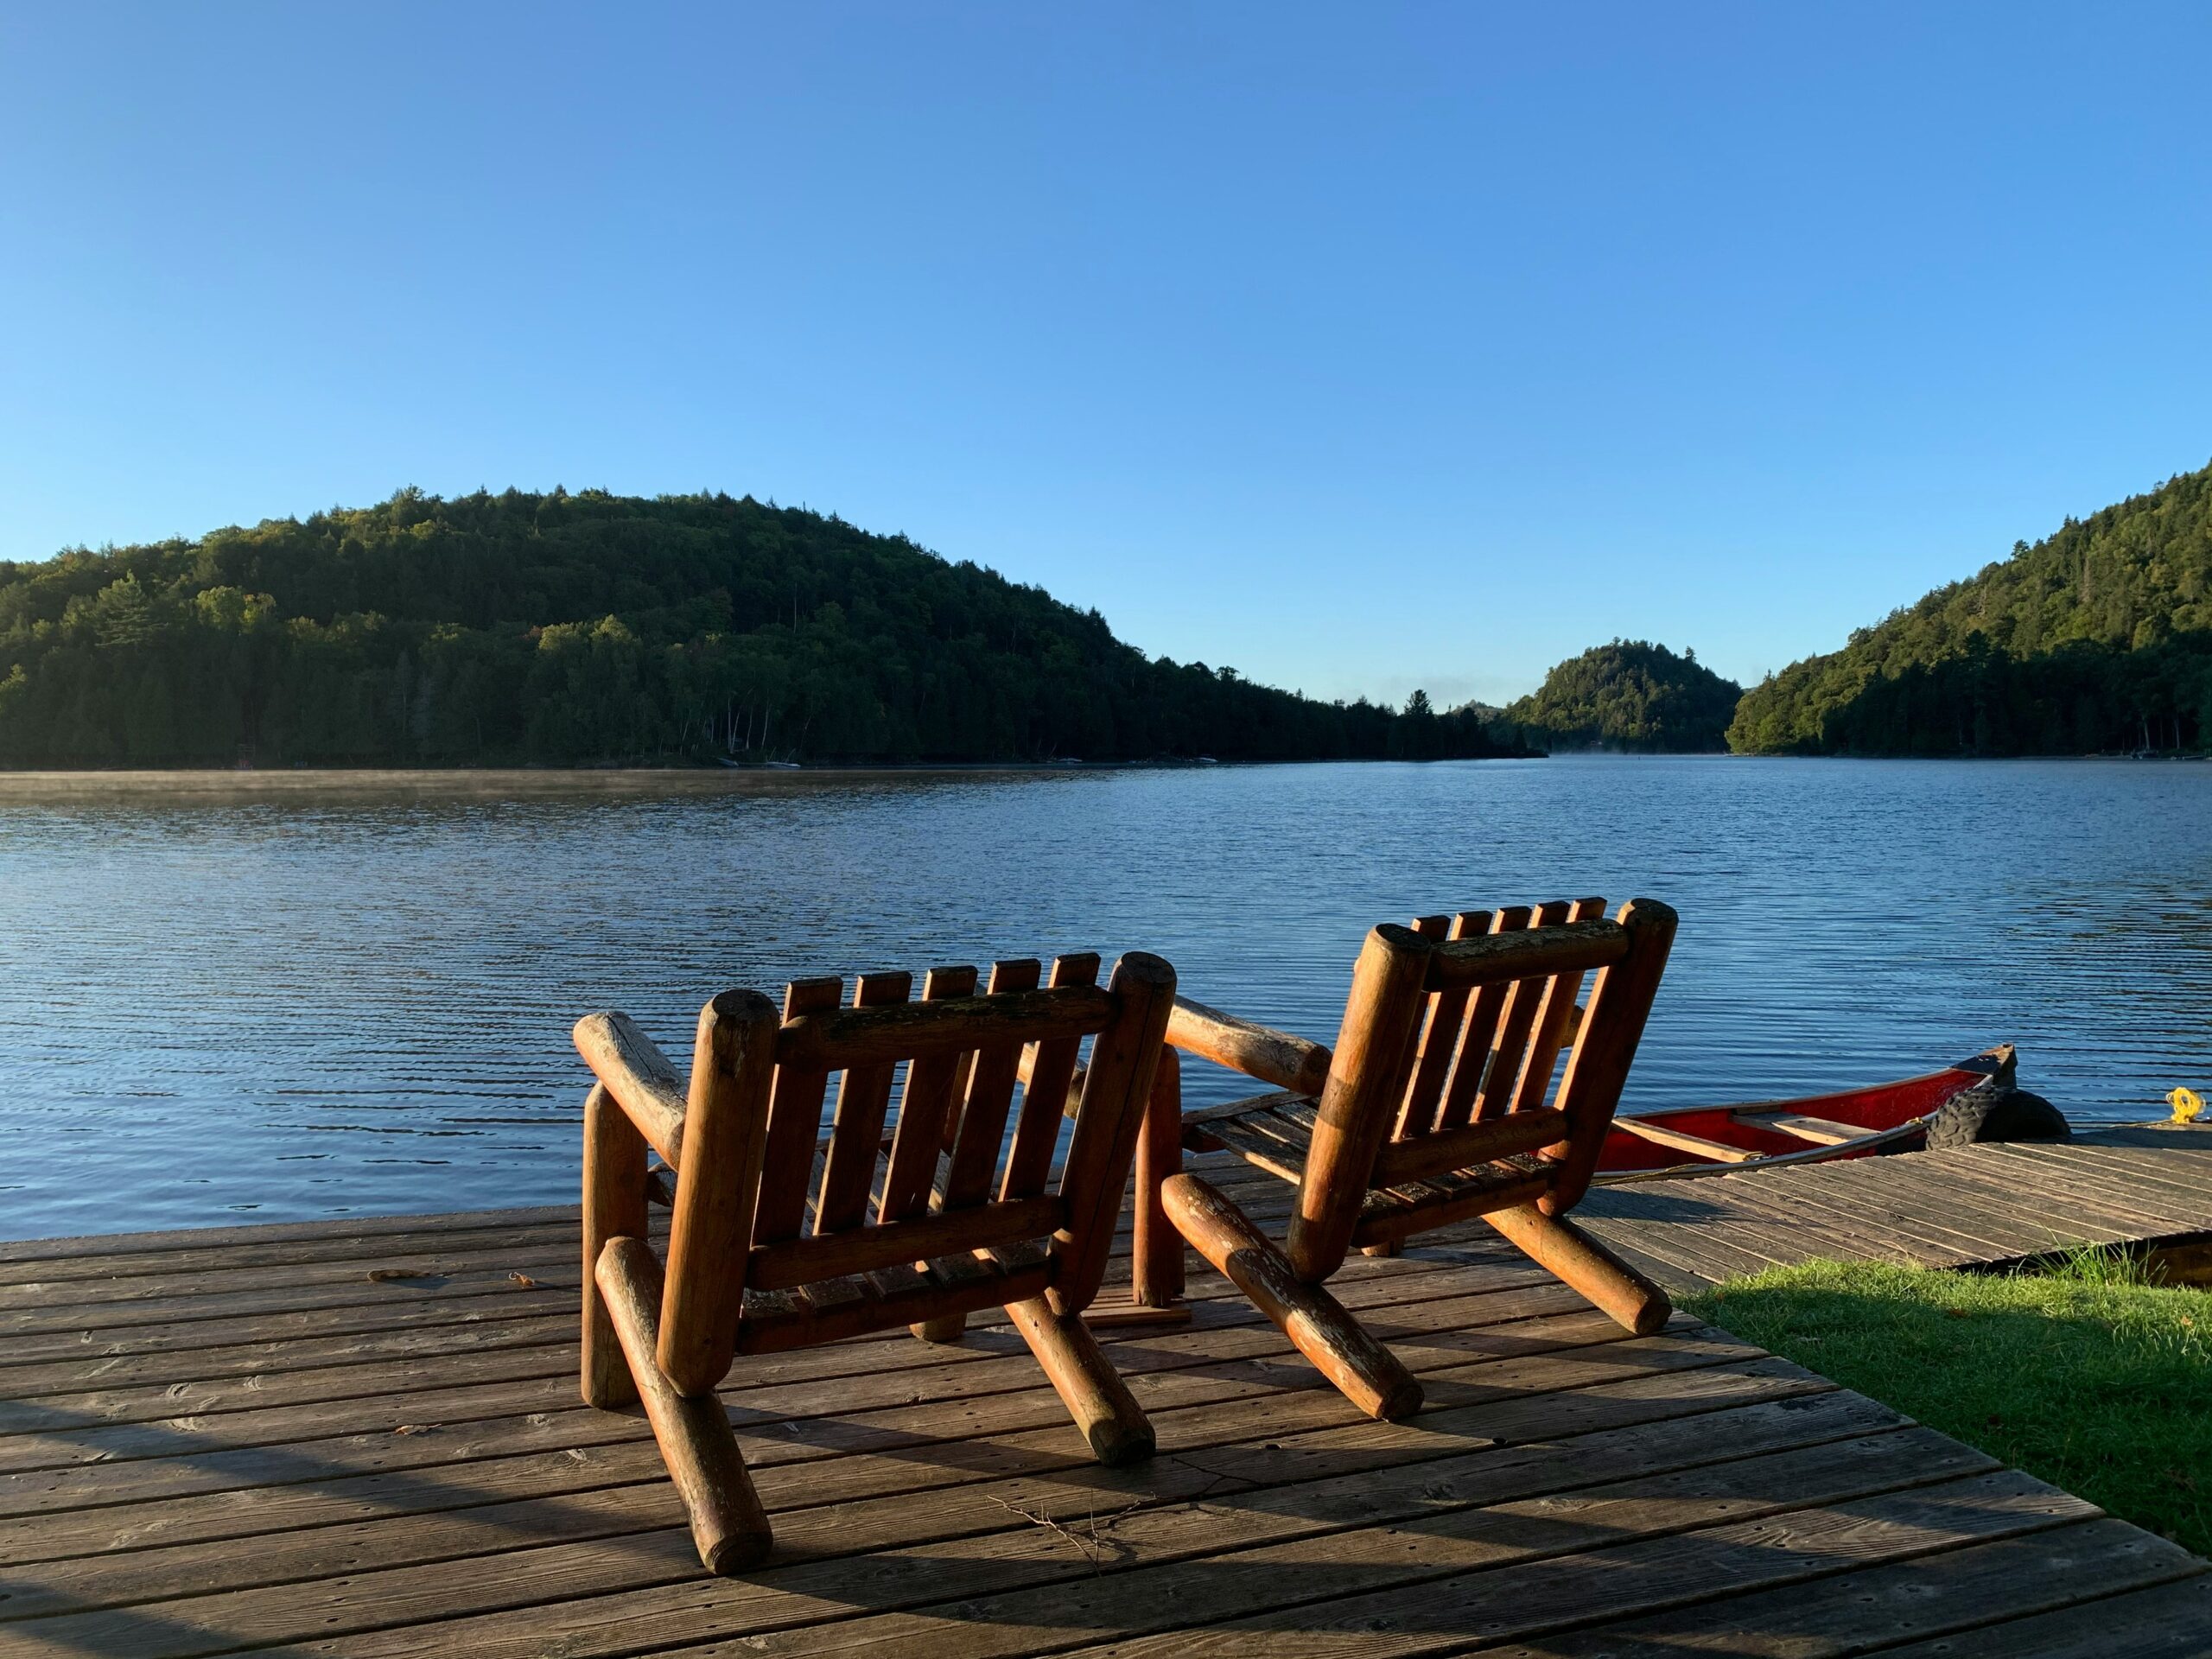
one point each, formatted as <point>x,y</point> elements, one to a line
<point>215,1010</point>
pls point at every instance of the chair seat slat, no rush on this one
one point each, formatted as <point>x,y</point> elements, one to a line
<point>1264,1151</point>
<point>896,1282</point>
<point>958,1272</point>
<point>1280,1127</point>
<point>1280,1099</point>
<point>827,1294</point>
<point>1023,1256</point>
<point>1298,1109</point>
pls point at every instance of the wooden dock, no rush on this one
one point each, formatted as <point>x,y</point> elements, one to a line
<point>363,1439</point>
<point>2147,1189</point>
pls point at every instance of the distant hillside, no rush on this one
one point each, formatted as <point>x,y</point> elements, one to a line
<point>1629,695</point>
<point>2098,639</point>
<point>591,627</point>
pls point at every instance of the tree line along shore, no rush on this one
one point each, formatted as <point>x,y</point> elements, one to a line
<point>573,629</point>
<point>585,629</point>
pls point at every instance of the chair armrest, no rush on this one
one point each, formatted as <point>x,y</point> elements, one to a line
<point>1258,1051</point>
<point>644,1085</point>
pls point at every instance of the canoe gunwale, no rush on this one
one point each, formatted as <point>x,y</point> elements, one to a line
<point>1992,1064</point>
<point>1867,1142</point>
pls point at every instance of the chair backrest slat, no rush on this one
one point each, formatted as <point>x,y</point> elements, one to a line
<point>1472,1057</point>
<point>794,1123</point>
<point>1435,1038</point>
<point>1502,1069</point>
<point>981,1129</point>
<point>923,1104</point>
<point>856,1133</point>
<point>1550,1032</point>
<point>1044,1096</point>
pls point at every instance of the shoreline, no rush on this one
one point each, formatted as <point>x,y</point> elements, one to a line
<point>214,783</point>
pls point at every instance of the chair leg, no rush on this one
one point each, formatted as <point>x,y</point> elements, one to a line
<point>727,1523</point>
<point>1101,1403</point>
<point>1579,1261</point>
<point>949,1328</point>
<point>1156,1248</point>
<point>1369,1375</point>
<point>614,1207</point>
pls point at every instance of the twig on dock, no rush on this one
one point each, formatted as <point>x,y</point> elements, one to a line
<point>1094,1547</point>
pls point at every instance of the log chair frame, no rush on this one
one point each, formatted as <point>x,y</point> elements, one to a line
<point>917,1224</point>
<point>1431,1110</point>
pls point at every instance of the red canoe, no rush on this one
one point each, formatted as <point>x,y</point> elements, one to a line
<point>1718,1140</point>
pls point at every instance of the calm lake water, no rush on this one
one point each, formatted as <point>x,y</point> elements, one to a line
<point>220,1010</point>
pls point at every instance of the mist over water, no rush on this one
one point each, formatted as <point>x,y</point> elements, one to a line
<point>218,1010</point>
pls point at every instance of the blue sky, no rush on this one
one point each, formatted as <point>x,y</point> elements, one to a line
<point>1358,347</point>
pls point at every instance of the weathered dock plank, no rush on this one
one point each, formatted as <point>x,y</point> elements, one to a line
<point>238,1440</point>
<point>2142,1189</point>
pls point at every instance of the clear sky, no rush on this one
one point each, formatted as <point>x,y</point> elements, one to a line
<point>1358,347</point>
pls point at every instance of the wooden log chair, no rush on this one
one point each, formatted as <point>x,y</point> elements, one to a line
<point>918,1225</point>
<point>1437,1106</point>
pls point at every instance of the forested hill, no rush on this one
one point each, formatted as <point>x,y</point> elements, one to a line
<point>591,627</point>
<point>2099,638</point>
<point>1629,695</point>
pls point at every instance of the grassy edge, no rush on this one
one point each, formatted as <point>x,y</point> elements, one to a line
<point>2085,1374</point>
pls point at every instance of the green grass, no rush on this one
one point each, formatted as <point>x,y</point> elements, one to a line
<point>2085,1376</point>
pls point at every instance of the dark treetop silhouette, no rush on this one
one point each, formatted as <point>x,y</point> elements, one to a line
<point>589,627</point>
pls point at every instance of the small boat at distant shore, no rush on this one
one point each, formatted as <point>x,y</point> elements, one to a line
<point>1979,1094</point>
